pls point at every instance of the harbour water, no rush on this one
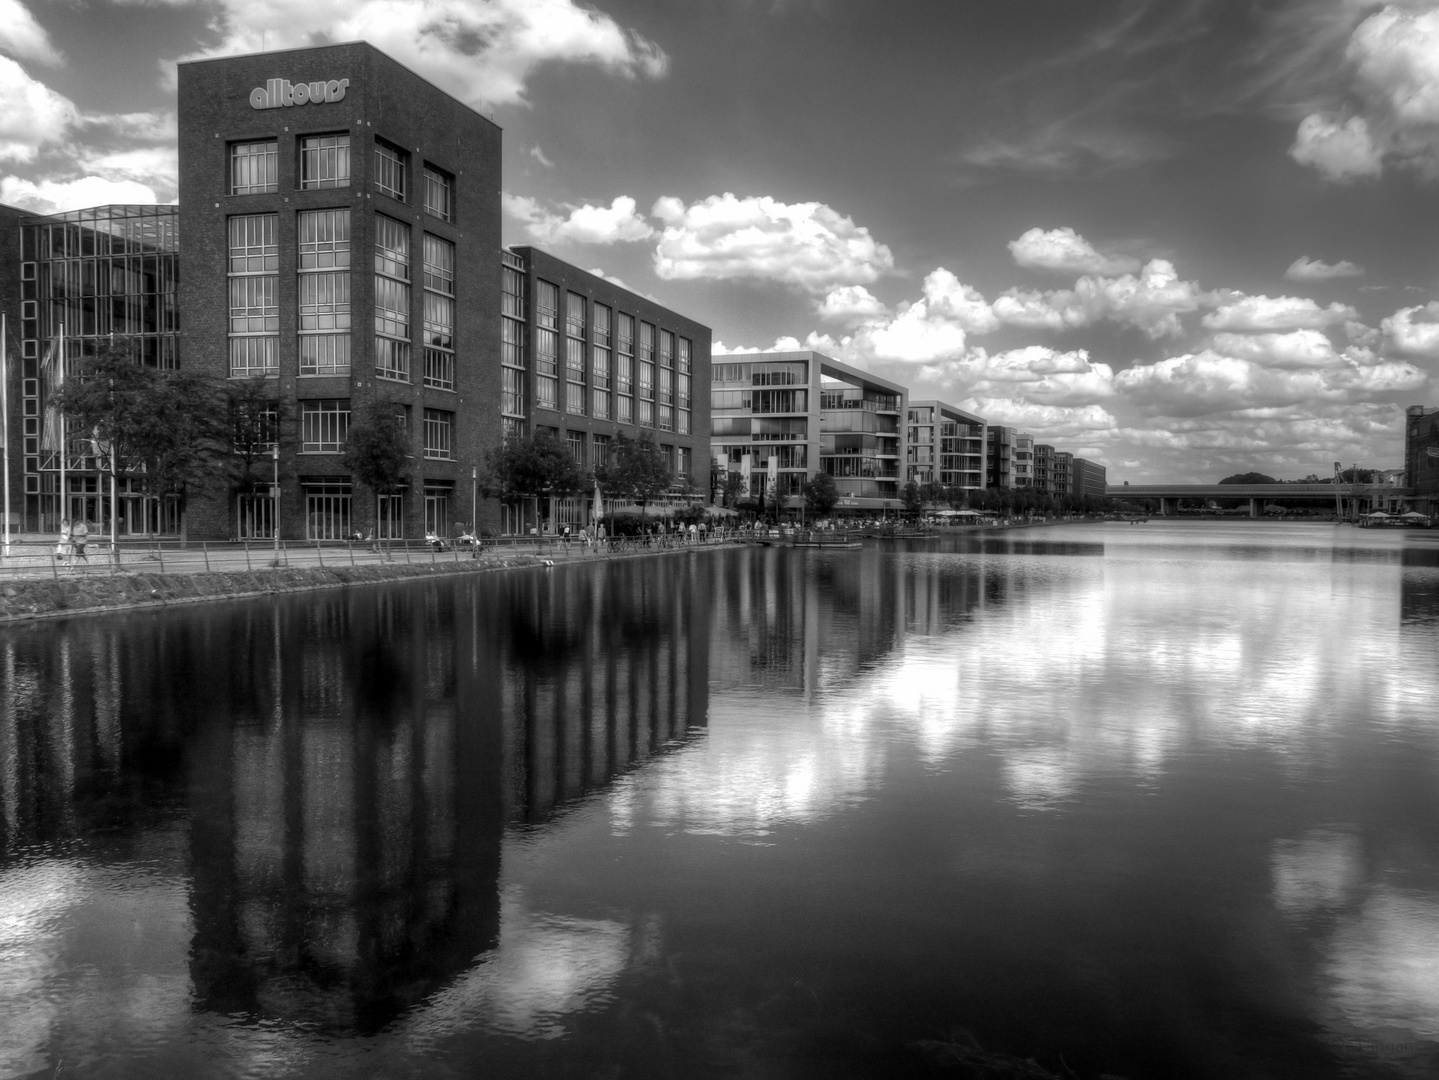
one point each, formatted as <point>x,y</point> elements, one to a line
<point>1147,801</point>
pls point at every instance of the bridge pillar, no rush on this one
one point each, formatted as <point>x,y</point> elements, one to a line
<point>1256,508</point>
<point>1166,505</point>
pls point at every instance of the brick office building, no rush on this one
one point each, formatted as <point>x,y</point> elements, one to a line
<point>585,360</point>
<point>341,219</point>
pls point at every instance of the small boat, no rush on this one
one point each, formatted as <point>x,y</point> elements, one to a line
<point>844,544</point>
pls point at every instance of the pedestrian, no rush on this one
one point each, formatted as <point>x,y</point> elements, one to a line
<point>79,536</point>
<point>62,549</point>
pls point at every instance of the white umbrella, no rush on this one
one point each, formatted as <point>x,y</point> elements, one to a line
<point>598,511</point>
<point>1377,514</point>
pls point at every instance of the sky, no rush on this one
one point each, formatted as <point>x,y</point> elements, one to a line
<point>1183,238</point>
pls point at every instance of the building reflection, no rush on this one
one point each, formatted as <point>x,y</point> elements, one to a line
<point>347,763</point>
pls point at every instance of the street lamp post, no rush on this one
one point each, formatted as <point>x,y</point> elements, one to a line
<point>474,500</point>
<point>275,495</point>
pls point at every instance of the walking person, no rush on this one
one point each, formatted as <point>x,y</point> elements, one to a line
<point>62,549</point>
<point>79,536</point>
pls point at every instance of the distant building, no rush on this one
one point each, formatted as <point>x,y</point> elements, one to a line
<point>1044,468</point>
<point>779,418</point>
<point>1023,459</point>
<point>1089,479</point>
<point>1421,457</point>
<point>1063,483</point>
<point>944,445</point>
<point>999,457</point>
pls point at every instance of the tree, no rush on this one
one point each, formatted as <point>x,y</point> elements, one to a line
<point>1249,478</point>
<point>166,426</point>
<point>911,498</point>
<point>536,467</point>
<point>820,494</point>
<point>377,452</point>
<point>732,488</point>
<point>637,471</point>
<point>255,421</point>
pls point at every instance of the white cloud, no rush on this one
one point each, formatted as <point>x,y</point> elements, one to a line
<point>1339,150</point>
<point>1204,383</point>
<point>1414,331</point>
<point>539,155</point>
<point>482,53</point>
<point>599,273</point>
<point>55,196</point>
<point>1152,301</point>
<point>585,224</point>
<point>1295,349</point>
<point>1240,312</point>
<point>850,303</point>
<point>1036,374</point>
<point>32,115</point>
<point>1307,269</point>
<point>1045,422</point>
<point>1065,250</point>
<point>24,38</point>
<point>807,245</point>
<point>1396,55</point>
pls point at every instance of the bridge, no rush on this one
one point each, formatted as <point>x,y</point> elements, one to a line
<point>1169,495</point>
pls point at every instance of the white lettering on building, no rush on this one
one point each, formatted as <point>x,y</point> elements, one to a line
<point>277,93</point>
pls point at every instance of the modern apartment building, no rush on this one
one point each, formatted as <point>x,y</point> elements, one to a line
<point>944,445</point>
<point>999,456</point>
<point>778,418</point>
<point>1063,483</point>
<point>1023,459</point>
<point>1044,469</point>
<point>586,361</point>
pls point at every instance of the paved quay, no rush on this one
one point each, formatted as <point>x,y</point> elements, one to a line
<point>35,584</point>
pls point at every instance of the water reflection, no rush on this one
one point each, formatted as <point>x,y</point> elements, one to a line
<point>1157,803</point>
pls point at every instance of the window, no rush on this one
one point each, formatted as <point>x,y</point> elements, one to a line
<point>325,161</point>
<point>647,374</point>
<point>600,365</point>
<point>439,281</point>
<point>439,194</point>
<point>254,302</point>
<point>390,170</point>
<point>437,508</point>
<point>624,369</point>
<point>254,167</point>
<point>390,510</point>
<point>324,425</point>
<point>575,353</point>
<point>323,257</point>
<point>547,304</point>
<point>327,511</point>
<point>601,451</point>
<point>512,391</point>
<point>439,434</point>
<point>686,354</point>
<point>392,299</point>
<point>575,443</point>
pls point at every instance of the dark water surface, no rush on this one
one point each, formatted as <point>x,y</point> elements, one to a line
<point>1154,801</point>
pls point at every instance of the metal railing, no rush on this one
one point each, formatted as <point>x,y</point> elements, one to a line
<point>29,559</point>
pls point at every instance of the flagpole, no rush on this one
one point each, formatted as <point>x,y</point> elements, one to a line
<point>64,440</point>
<point>5,419</point>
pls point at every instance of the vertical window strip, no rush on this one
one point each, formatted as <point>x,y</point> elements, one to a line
<point>439,194</point>
<point>254,295</point>
<point>392,299</point>
<point>323,257</point>
<point>439,279</point>
<point>390,170</point>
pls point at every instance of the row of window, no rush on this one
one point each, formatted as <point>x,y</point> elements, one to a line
<point>323,287</point>
<point>324,162</point>
<point>679,458</point>
<point>328,513</point>
<point>325,428</point>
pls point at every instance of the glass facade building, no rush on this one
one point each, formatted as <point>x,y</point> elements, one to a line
<point>87,276</point>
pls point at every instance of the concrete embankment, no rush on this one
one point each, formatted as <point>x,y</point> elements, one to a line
<point>41,598</point>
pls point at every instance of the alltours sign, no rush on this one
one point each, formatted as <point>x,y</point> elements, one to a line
<point>277,93</point>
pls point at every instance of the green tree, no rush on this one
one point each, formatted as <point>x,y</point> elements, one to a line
<point>1249,478</point>
<point>821,494</point>
<point>377,452</point>
<point>732,488</point>
<point>911,498</point>
<point>637,471</point>
<point>536,467</point>
<point>255,421</point>
<point>165,427</point>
